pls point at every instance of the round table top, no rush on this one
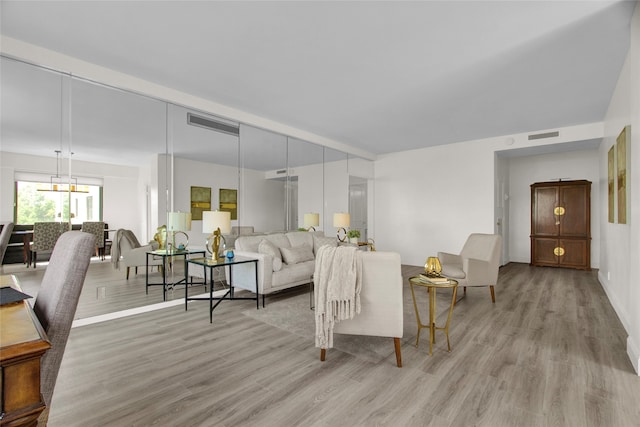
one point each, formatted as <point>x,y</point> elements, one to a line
<point>423,280</point>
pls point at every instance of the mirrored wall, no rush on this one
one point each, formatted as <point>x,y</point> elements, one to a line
<point>151,157</point>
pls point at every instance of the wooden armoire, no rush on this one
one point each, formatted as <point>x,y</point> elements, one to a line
<point>561,224</point>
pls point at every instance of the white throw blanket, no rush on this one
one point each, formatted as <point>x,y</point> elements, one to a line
<point>338,281</point>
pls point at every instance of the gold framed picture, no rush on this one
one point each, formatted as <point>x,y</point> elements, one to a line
<point>621,160</point>
<point>200,201</point>
<point>229,202</point>
<point>611,161</point>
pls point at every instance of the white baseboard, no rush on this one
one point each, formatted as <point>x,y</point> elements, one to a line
<point>138,310</point>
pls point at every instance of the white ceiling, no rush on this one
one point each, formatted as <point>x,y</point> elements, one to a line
<point>379,76</point>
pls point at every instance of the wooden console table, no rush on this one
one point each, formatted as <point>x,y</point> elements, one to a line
<point>22,343</point>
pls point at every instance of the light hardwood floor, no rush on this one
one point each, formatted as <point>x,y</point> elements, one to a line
<point>549,352</point>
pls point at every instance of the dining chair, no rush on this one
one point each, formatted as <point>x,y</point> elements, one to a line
<point>57,300</point>
<point>45,235</point>
<point>97,229</point>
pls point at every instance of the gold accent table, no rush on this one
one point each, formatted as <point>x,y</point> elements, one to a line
<point>431,289</point>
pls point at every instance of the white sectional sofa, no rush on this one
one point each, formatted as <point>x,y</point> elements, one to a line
<point>284,259</point>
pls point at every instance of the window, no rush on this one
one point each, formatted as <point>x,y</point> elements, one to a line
<point>35,205</point>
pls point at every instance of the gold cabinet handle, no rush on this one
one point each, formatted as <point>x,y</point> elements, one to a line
<point>558,251</point>
<point>559,211</point>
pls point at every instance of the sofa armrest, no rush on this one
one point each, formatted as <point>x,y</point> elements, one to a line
<point>478,272</point>
<point>244,274</point>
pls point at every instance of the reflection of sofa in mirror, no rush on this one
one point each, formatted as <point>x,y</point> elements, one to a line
<point>285,260</point>
<point>237,231</point>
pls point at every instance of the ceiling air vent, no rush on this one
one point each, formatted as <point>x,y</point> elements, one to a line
<point>544,135</point>
<point>210,124</point>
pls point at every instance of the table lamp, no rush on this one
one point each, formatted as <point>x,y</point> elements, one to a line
<point>179,222</point>
<point>311,220</point>
<point>216,223</point>
<point>341,221</point>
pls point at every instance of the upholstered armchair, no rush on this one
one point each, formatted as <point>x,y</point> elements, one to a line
<point>45,236</point>
<point>97,229</point>
<point>128,251</point>
<point>381,313</point>
<point>477,264</point>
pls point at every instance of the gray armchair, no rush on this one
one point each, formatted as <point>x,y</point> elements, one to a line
<point>57,299</point>
<point>477,264</point>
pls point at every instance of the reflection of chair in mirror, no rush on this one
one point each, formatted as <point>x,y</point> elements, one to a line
<point>127,250</point>
<point>5,235</point>
<point>477,264</point>
<point>97,229</point>
<point>381,300</point>
<point>56,302</point>
<point>45,235</point>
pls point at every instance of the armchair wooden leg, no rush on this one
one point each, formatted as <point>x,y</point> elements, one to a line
<point>396,343</point>
<point>127,273</point>
<point>493,294</point>
<point>323,354</point>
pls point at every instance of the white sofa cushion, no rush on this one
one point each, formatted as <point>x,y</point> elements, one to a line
<point>268,248</point>
<point>297,254</point>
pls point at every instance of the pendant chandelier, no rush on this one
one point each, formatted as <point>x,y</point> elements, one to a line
<point>57,185</point>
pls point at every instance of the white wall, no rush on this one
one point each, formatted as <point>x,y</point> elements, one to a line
<point>430,200</point>
<point>620,254</point>
<point>524,171</point>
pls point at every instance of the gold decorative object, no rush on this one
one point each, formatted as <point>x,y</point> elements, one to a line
<point>559,211</point>
<point>161,237</point>
<point>558,251</point>
<point>432,267</point>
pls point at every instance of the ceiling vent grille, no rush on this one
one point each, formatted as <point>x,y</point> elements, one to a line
<point>214,125</point>
<point>544,135</point>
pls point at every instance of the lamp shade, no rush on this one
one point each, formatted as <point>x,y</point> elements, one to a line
<point>179,221</point>
<point>311,220</point>
<point>341,220</point>
<point>212,220</point>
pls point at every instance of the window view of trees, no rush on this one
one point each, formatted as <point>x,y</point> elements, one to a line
<point>44,206</point>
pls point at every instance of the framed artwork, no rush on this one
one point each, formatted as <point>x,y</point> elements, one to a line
<point>621,157</point>
<point>612,183</point>
<point>229,202</point>
<point>200,201</point>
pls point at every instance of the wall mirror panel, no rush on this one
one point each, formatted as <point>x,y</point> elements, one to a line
<point>336,187</point>
<point>145,155</point>
<point>361,191</point>
<point>203,158</point>
<point>305,183</point>
<point>263,179</point>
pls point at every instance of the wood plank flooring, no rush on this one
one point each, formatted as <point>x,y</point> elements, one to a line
<point>550,352</point>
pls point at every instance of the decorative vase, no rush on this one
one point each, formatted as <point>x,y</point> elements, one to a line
<point>353,240</point>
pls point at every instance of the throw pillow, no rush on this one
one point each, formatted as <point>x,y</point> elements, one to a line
<point>297,254</point>
<point>321,241</point>
<point>268,248</point>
